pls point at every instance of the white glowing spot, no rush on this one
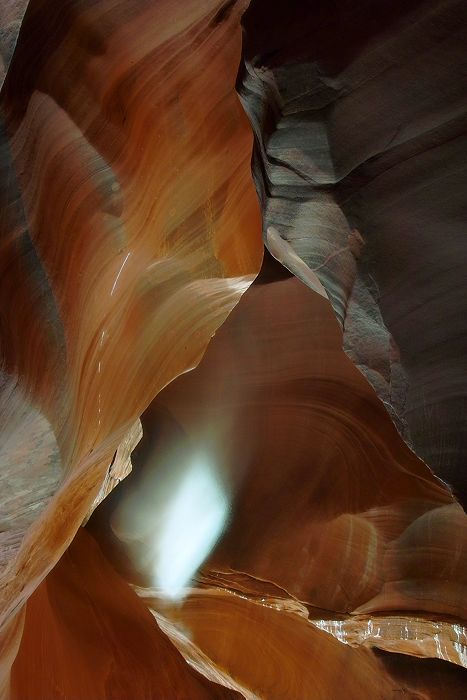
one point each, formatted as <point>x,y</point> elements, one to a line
<point>119,273</point>
<point>194,520</point>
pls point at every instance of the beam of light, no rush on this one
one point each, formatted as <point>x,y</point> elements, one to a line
<point>193,521</point>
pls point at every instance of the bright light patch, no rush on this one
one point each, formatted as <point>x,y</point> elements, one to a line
<point>194,520</point>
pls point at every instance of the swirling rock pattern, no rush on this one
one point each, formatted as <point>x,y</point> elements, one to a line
<point>276,654</point>
<point>360,115</point>
<point>129,228</point>
<point>257,527</point>
<point>327,502</point>
<point>333,519</point>
<point>85,628</point>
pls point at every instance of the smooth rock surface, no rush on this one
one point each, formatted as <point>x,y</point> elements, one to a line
<point>360,119</point>
<point>129,230</point>
<point>271,476</point>
<point>88,635</point>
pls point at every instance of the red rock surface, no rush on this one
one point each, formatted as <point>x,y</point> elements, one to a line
<point>247,460</point>
<point>88,635</point>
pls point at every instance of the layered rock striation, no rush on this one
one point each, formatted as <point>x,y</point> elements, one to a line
<point>269,469</point>
<point>360,116</point>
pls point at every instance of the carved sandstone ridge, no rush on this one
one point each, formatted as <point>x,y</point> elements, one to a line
<point>129,230</point>
<point>11,16</point>
<point>410,635</point>
<point>85,629</point>
<point>332,517</point>
<point>327,502</point>
<point>360,118</point>
<point>88,635</point>
<point>407,633</point>
<point>271,652</point>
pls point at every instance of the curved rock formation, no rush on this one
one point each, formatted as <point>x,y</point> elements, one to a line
<point>360,116</point>
<point>130,228</point>
<point>276,654</point>
<point>11,16</point>
<point>85,629</point>
<point>259,526</point>
<point>285,416</point>
<point>331,517</point>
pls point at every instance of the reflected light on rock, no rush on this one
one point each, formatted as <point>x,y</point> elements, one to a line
<point>194,520</point>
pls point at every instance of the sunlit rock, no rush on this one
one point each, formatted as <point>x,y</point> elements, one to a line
<point>332,518</point>
<point>88,635</point>
<point>239,449</point>
<point>130,229</point>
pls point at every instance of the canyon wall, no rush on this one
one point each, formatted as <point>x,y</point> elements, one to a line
<point>227,470</point>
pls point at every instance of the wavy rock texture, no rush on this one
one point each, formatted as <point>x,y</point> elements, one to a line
<point>129,228</point>
<point>360,114</point>
<point>276,654</point>
<point>121,464</point>
<point>327,501</point>
<point>416,636</point>
<point>85,629</point>
<point>333,520</point>
<point>258,527</point>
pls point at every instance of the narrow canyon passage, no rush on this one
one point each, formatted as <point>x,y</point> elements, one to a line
<point>233,343</point>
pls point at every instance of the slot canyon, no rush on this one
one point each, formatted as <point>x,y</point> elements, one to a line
<point>233,342</point>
